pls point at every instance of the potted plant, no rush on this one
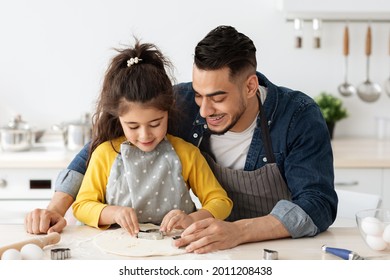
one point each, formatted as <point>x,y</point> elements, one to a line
<point>332,109</point>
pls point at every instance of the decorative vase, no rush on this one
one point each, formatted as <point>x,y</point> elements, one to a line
<point>330,128</point>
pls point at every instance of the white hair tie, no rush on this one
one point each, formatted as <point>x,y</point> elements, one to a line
<point>133,60</point>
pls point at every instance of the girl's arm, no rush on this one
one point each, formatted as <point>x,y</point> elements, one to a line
<point>90,200</point>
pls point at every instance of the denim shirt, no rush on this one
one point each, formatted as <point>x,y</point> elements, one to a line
<point>300,143</point>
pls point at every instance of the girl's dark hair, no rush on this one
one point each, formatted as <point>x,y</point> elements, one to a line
<point>225,47</point>
<point>145,82</point>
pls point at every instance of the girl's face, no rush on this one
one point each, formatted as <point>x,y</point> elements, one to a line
<point>144,127</point>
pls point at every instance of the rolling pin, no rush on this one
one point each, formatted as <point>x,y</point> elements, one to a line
<point>51,238</point>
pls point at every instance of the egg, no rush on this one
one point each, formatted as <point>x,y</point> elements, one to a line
<point>386,234</point>
<point>11,254</point>
<point>376,242</point>
<point>31,252</point>
<point>372,226</point>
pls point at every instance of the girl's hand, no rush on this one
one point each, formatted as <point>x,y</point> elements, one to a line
<point>175,219</point>
<point>127,219</point>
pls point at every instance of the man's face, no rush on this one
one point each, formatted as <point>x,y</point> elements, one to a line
<point>222,103</point>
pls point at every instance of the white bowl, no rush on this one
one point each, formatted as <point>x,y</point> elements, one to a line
<point>374,227</point>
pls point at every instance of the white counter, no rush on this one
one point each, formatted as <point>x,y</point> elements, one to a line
<point>361,153</point>
<point>42,155</point>
<point>80,241</point>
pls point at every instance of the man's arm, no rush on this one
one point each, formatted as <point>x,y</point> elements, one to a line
<point>60,203</point>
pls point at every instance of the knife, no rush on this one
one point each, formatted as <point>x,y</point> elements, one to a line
<point>351,255</point>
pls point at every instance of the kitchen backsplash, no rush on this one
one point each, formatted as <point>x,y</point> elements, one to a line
<point>54,54</point>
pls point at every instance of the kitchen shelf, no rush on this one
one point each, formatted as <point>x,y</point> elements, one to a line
<point>354,11</point>
<point>339,20</point>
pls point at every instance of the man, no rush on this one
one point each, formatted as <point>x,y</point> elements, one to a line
<point>268,146</point>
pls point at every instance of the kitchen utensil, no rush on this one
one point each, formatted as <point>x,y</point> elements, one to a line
<point>49,239</point>
<point>346,89</point>
<point>298,27</point>
<point>153,234</point>
<point>17,136</point>
<point>350,255</point>
<point>60,253</point>
<point>15,140</point>
<point>38,135</point>
<point>317,33</point>
<point>270,254</point>
<point>368,91</point>
<point>76,134</point>
<point>387,82</point>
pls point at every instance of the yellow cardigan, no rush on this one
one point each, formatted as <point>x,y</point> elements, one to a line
<point>90,200</point>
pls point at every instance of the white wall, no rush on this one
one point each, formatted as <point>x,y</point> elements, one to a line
<point>53,53</point>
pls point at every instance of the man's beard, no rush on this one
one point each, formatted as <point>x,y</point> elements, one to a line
<point>222,132</point>
<point>235,119</point>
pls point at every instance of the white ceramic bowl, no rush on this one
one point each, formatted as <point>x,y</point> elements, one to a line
<point>374,227</point>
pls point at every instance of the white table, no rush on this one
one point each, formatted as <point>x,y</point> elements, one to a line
<point>80,240</point>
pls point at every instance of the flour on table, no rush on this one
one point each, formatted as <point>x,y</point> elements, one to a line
<point>120,242</point>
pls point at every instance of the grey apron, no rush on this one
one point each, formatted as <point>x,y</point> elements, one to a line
<point>254,193</point>
<point>150,182</point>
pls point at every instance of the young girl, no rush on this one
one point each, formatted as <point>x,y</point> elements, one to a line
<point>137,173</point>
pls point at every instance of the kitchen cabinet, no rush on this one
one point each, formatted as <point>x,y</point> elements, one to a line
<point>386,189</point>
<point>27,179</point>
<point>360,180</point>
<point>27,183</point>
<point>14,211</point>
<point>24,189</point>
<point>363,165</point>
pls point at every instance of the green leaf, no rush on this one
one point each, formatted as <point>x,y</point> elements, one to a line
<point>331,107</point>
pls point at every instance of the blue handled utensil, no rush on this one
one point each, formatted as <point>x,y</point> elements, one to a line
<point>351,255</point>
<point>342,253</point>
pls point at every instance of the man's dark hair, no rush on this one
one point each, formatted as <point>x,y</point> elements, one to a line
<point>223,47</point>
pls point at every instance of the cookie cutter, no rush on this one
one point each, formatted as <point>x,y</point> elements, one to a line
<point>270,254</point>
<point>60,253</point>
<point>152,234</point>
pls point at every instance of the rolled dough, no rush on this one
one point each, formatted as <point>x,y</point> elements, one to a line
<point>119,242</point>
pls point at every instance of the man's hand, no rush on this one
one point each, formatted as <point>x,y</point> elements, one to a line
<point>209,235</point>
<point>51,219</point>
<point>44,221</point>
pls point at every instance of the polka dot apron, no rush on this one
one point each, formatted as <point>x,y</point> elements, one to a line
<point>150,182</point>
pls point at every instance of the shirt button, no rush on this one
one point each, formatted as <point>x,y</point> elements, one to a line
<point>264,159</point>
<point>195,135</point>
<point>205,126</point>
<point>197,121</point>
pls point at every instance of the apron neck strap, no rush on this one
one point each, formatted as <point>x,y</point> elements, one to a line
<point>265,136</point>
